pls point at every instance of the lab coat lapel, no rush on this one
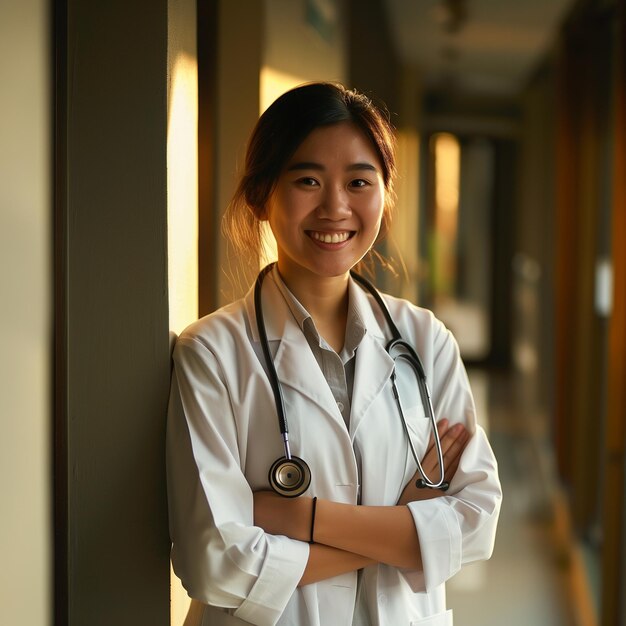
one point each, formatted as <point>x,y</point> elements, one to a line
<point>374,366</point>
<point>294,362</point>
<point>297,368</point>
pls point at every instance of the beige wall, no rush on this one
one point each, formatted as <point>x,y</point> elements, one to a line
<point>295,47</point>
<point>25,314</point>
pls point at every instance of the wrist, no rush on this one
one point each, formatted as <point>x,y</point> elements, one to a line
<point>301,518</point>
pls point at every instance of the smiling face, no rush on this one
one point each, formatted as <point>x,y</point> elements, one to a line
<point>327,205</point>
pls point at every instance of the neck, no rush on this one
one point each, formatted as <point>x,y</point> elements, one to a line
<point>320,296</point>
<point>326,300</point>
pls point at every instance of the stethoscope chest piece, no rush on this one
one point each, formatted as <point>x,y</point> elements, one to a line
<point>289,477</point>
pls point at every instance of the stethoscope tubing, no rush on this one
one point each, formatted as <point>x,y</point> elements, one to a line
<point>410,356</point>
<point>273,375</point>
<point>416,363</point>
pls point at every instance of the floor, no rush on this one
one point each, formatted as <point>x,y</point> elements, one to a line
<point>525,580</point>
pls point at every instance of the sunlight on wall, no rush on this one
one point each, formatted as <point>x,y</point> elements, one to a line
<point>182,218</point>
<point>272,85</point>
<point>448,163</point>
<point>182,193</point>
<point>405,225</point>
<point>447,152</point>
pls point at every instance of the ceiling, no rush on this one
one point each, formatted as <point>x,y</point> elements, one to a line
<point>476,47</point>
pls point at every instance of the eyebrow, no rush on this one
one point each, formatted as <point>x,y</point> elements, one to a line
<point>311,165</point>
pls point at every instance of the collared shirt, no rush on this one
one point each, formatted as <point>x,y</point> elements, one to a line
<point>338,370</point>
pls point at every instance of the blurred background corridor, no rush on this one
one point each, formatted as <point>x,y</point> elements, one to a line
<point>123,125</point>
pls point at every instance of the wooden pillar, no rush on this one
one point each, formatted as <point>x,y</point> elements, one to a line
<point>111,310</point>
<point>208,223</point>
<point>614,518</point>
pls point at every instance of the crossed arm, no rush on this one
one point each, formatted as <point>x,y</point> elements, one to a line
<point>348,537</point>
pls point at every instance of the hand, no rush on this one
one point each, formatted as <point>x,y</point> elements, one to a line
<point>453,442</point>
<point>278,515</point>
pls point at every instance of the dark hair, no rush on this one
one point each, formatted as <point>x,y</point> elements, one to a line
<point>277,135</point>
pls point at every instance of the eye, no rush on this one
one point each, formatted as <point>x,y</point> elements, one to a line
<point>359,183</point>
<point>307,181</point>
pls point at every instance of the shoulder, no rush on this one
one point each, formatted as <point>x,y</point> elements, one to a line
<point>413,318</point>
<point>220,332</point>
<point>420,327</point>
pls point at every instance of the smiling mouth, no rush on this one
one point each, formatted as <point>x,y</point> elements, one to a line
<point>330,237</point>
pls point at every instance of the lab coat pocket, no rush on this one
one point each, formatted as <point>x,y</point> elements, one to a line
<point>419,429</point>
<point>336,603</point>
<point>441,619</point>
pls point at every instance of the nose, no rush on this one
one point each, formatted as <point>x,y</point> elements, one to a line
<point>334,204</point>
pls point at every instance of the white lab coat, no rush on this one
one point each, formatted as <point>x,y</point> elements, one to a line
<point>223,437</point>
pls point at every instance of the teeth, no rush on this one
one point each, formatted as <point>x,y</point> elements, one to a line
<point>328,238</point>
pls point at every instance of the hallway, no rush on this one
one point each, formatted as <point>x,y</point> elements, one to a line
<point>525,582</point>
<point>123,127</point>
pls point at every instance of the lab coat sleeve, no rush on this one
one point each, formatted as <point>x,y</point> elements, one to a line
<point>460,527</point>
<point>218,553</point>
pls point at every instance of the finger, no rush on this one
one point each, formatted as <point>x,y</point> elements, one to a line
<point>430,456</point>
<point>448,437</point>
<point>454,454</point>
<point>453,448</point>
<point>442,429</point>
<point>455,441</point>
<point>450,469</point>
<point>452,442</point>
<point>443,425</point>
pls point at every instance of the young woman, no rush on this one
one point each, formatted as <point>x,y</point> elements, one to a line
<point>363,542</point>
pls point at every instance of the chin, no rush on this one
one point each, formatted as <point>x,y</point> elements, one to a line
<point>332,271</point>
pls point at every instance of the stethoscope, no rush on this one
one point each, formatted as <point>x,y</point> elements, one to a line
<point>289,475</point>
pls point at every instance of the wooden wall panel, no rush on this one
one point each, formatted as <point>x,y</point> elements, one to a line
<point>582,209</point>
<point>565,248</point>
<point>591,209</point>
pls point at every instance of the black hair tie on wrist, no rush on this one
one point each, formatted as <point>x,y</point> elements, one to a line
<point>313,518</point>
